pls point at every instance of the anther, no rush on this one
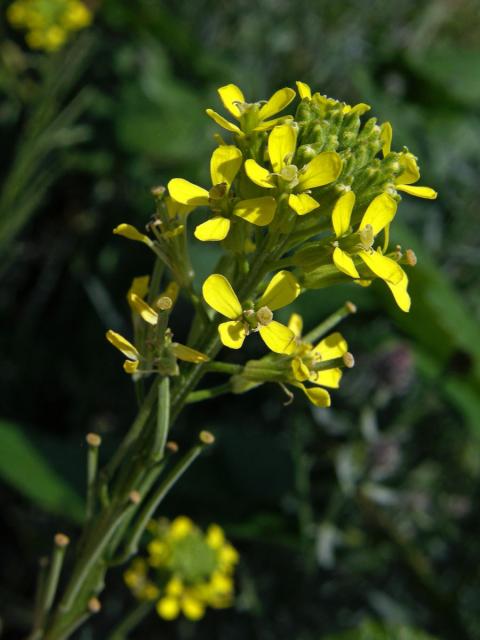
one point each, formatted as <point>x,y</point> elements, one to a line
<point>264,316</point>
<point>348,360</point>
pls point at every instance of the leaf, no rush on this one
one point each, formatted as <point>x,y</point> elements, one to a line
<point>27,471</point>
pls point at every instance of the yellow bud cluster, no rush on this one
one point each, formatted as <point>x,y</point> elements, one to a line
<point>186,570</point>
<point>48,23</point>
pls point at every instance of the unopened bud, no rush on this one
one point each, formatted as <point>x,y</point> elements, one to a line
<point>350,307</point>
<point>134,497</point>
<point>410,257</point>
<point>164,303</point>
<point>94,605</point>
<point>206,437</point>
<point>348,360</point>
<point>93,439</point>
<point>172,446</point>
<point>61,540</point>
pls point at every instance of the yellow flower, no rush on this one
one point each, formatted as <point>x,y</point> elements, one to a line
<point>410,171</point>
<point>252,117</point>
<point>122,344</point>
<point>147,313</point>
<point>48,24</point>
<point>306,356</point>
<point>323,169</point>
<point>281,291</point>
<point>305,93</point>
<point>224,165</point>
<point>376,218</point>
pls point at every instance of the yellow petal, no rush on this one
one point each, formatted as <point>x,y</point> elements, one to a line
<point>304,90</point>
<point>317,396</point>
<point>215,229</point>
<point>295,324</point>
<point>182,352</point>
<point>258,211</point>
<point>186,192</point>
<point>302,203</point>
<point>386,134</point>
<point>382,266</point>
<point>278,337</point>
<point>344,263</point>
<point>269,124</point>
<point>281,146</point>
<point>168,608</point>
<point>143,309</point>
<point>229,95</point>
<point>323,169</point>
<point>411,172</point>
<point>379,213</point>
<point>218,293</point>
<point>193,608</point>
<point>330,378</point>
<point>130,366</point>
<point>258,174</point>
<point>419,192</point>
<point>174,208</point>
<point>232,334</point>
<point>139,286</point>
<point>333,346</point>
<point>282,289</point>
<point>342,213</point>
<point>225,163</point>
<point>276,103</point>
<point>128,231</point>
<point>300,370</point>
<point>122,344</point>
<point>223,122</point>
<point>400,293</point>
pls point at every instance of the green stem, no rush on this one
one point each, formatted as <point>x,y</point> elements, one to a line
<point>51,584</point>
<point>163,419</point>
<point>329,323</point>
<point>132,620</point>
<point>224,367</point>
<point>207,394</point>
<point>93,550</point>
<point>133,433</point>
<point>93,442</point>
<point>157,496</point>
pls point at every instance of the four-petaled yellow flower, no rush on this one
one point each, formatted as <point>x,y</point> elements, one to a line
<point>376,218</point>
<point>224,165</point>
<point>252,117</point>
<point>281,291</point>
<point>306,356</point>
<point>410,171</point>
<point>323,169</point>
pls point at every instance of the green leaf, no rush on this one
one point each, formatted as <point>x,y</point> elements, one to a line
<point>27,471</point>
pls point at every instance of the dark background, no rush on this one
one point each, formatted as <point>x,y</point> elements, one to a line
<point>364,512</point>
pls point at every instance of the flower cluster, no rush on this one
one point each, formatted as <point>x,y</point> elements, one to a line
<point>48,23</point>
<point>185,570</point>
<point>298,202</point>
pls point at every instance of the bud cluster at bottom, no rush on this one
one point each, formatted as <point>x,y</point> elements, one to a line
<point>185,570</point>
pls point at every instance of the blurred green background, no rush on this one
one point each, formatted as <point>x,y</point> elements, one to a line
<point>355,523</point>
